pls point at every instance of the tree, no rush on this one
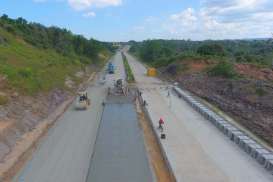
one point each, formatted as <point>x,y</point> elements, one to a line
<point>5,17</point>
<point>211,49</point>
<point>21,21</point>
<point>60,40</point>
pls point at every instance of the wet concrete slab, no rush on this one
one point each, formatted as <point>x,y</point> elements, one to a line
<point>120,154</point>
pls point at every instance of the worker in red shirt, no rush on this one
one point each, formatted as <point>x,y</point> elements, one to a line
<point>160,124</point>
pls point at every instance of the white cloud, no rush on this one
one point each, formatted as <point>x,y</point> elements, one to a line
<point>89,14</point>
<point>85,4</point>
<point>226,5</point>
<point>221,19</point>
<point>186,17</point>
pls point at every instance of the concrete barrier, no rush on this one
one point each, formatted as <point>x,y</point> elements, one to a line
<point>269,165</point>
<point>252,147</point>
<point>246,143</point>
<point>148,117</point>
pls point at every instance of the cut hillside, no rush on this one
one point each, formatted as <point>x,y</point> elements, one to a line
<point>247,98</point>
<point>40,68</point>
<point>27,69</point>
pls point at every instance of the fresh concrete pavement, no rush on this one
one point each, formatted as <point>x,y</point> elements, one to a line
<point>196,150</point>
<point>64,154</point>
<point>120,154</point>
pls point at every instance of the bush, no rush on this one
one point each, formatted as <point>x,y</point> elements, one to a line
<point>211,49</point>
<point>25,72</point>
<point>223,69</point>
<point>9,71</point>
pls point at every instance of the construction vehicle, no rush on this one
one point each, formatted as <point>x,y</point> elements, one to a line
<point>118,89</point>
<point>111,68</point>
<point>119,86</point>
<point>83,102</point>
<point>151,72</point>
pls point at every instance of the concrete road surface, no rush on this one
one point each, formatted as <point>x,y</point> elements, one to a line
<point>119,154</point>
<point>64,153</point>
<point>119,70</point>
<point>196,150</point>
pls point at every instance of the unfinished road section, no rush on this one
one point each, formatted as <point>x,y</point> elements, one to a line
<point>120,153</point>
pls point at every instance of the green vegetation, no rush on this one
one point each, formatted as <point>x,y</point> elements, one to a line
<point>3,100</point>
<point>160,53</point>
<point>128,70</point>
<point>153,53</point>
<point>60,40</point>
<point>36,58</point>
<point>211,49</point>
<point>223,69</point>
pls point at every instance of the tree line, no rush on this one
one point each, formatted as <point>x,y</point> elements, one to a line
<point>59,39</point>
<point>163,52</point>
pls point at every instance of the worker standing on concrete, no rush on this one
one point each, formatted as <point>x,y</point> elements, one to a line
<point>160,124</point>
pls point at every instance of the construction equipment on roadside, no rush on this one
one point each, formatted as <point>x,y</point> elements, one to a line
<point>151,72</point>
<point>82,102</point>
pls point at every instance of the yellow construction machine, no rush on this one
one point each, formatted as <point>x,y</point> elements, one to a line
<point>82,102</point>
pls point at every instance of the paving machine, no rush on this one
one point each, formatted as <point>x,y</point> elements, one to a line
<point>118,89</point>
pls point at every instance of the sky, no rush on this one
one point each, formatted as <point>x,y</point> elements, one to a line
<point>123,20</point>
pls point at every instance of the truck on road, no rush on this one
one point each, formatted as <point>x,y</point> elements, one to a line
<point>111,68</point>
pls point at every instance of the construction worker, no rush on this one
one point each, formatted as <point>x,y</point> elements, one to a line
<point>160,124</point>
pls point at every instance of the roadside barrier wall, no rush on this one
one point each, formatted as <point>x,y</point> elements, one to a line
<point>246,143</point>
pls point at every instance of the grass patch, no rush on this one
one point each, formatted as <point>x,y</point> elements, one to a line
<point>3,100</point>
<point>128,70</point>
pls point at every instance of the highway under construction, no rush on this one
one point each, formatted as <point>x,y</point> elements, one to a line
<point>119,153</point>
<point>108,142</point>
